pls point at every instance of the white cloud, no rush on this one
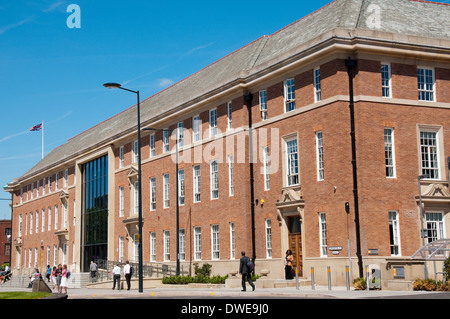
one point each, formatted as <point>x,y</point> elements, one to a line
<point>165,82</point>
<point>14,25</point>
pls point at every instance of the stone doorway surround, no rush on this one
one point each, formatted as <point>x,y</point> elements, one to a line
<point>290,204</point>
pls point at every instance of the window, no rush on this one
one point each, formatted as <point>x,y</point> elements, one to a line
<point>196,183</point>
<point>56,183</point>
<point>136,247</point>
<point>37,222</point>
<point>166,245</point>
<point>319,156</point>
<point>323,234</point>
<point>263,104</point>
<point>389,152</point>
<point>317,87</point>
<point>49,180</point>
<point>394,233</point>
<point>55,254</point>
<point>135,152</point>
<point>65,215</point>
<point>32,190</point>
<point>166,190</point>
<point>37,189</point>
<point>182,244</point>
<point>66,177</point>
<point>121,158</point>
<point>20,226</point>
<point>268,238</point>
<point>435,226</point>
<point>232,242</point>
<point>289,95</point>
<point>215,246</point>
<point>425,83</point>
<point>214,180</point>
<point>197,243</point>
<point>386,80</point>
<point>429,154</point>
<point>213,122</point>
<point>121,201</point>
<point>181,187</point>
<point>31,223</point>
<point>43,186</point>
<point>152,145</point>
<point>229,115</point>
<point>292,162</point>
<point>153,193</point>
<point>56,216</point>
<point>266,168</point>
<point>230,175</point>
<point>49,226</point>
<point>153,246</point>
<point>43,220</point>
<point>121,248</point>
<point>136,197</point>
<point>165,140</point>
<point>196,124</point>
<point>180,134</point>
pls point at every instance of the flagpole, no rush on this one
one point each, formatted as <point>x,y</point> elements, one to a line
<point>42,139</point>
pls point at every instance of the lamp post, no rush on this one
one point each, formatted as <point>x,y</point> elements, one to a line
<point>119,86</point>
<point>422,234</point>
<point>177,199</point>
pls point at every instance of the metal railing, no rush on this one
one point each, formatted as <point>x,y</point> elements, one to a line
<point>158,270</point>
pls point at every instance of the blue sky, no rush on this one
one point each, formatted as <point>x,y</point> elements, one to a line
<point>52,73</point>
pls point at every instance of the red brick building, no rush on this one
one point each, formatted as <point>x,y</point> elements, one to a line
<point>352,65</point>
<point>5,241</point>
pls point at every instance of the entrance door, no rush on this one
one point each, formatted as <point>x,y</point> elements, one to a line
<point>295,243</point>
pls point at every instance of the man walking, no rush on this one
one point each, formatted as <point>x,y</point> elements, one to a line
<point>127,273</point>
<point>93,269</point>
<point>116,276</point>
<point>245,271</point>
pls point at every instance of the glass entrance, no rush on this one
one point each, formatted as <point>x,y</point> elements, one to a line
<point>95,210</point>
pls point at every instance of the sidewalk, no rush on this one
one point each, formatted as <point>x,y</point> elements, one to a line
<point>207,293</point>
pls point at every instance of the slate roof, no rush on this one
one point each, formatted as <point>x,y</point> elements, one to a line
<point>406,17</point>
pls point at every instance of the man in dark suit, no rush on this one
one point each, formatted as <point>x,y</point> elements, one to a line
<point>245,271</point>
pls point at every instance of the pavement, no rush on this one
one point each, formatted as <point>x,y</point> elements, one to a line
<point>319,292</point>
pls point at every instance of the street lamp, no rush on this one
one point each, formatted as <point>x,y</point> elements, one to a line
<point>422,233</point>
<point>119,86</point>
<point>177,199</point>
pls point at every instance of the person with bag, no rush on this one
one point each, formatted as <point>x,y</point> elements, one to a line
<point>64,275</point>
<point>288,264</point>
<point>245,269</point>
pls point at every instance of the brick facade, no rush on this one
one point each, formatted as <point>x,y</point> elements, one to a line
<point>377,194</point>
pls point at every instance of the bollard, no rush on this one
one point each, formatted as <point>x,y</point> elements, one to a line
<point>329,277</point>
<point>296,278</point>
<point>347,278</point>
<point>312,278</point>
<point>367,278</point>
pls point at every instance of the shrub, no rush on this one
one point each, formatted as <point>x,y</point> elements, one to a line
<point>359,284</point>
<point>204,271</point>
<point>446,269</point>
<point>184,280</point>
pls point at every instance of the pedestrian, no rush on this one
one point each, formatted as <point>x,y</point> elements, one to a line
<point>288,264</point>
<point>58,272</point>
<point>116,276</point>
<point>127,273</point>
<point>93,269</point>
<point>49,273</point>
<point>54,278</point>
<point>245,271</point>
<point>63,284</point>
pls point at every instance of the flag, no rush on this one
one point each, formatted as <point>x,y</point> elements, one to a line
<point>36,127</point>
